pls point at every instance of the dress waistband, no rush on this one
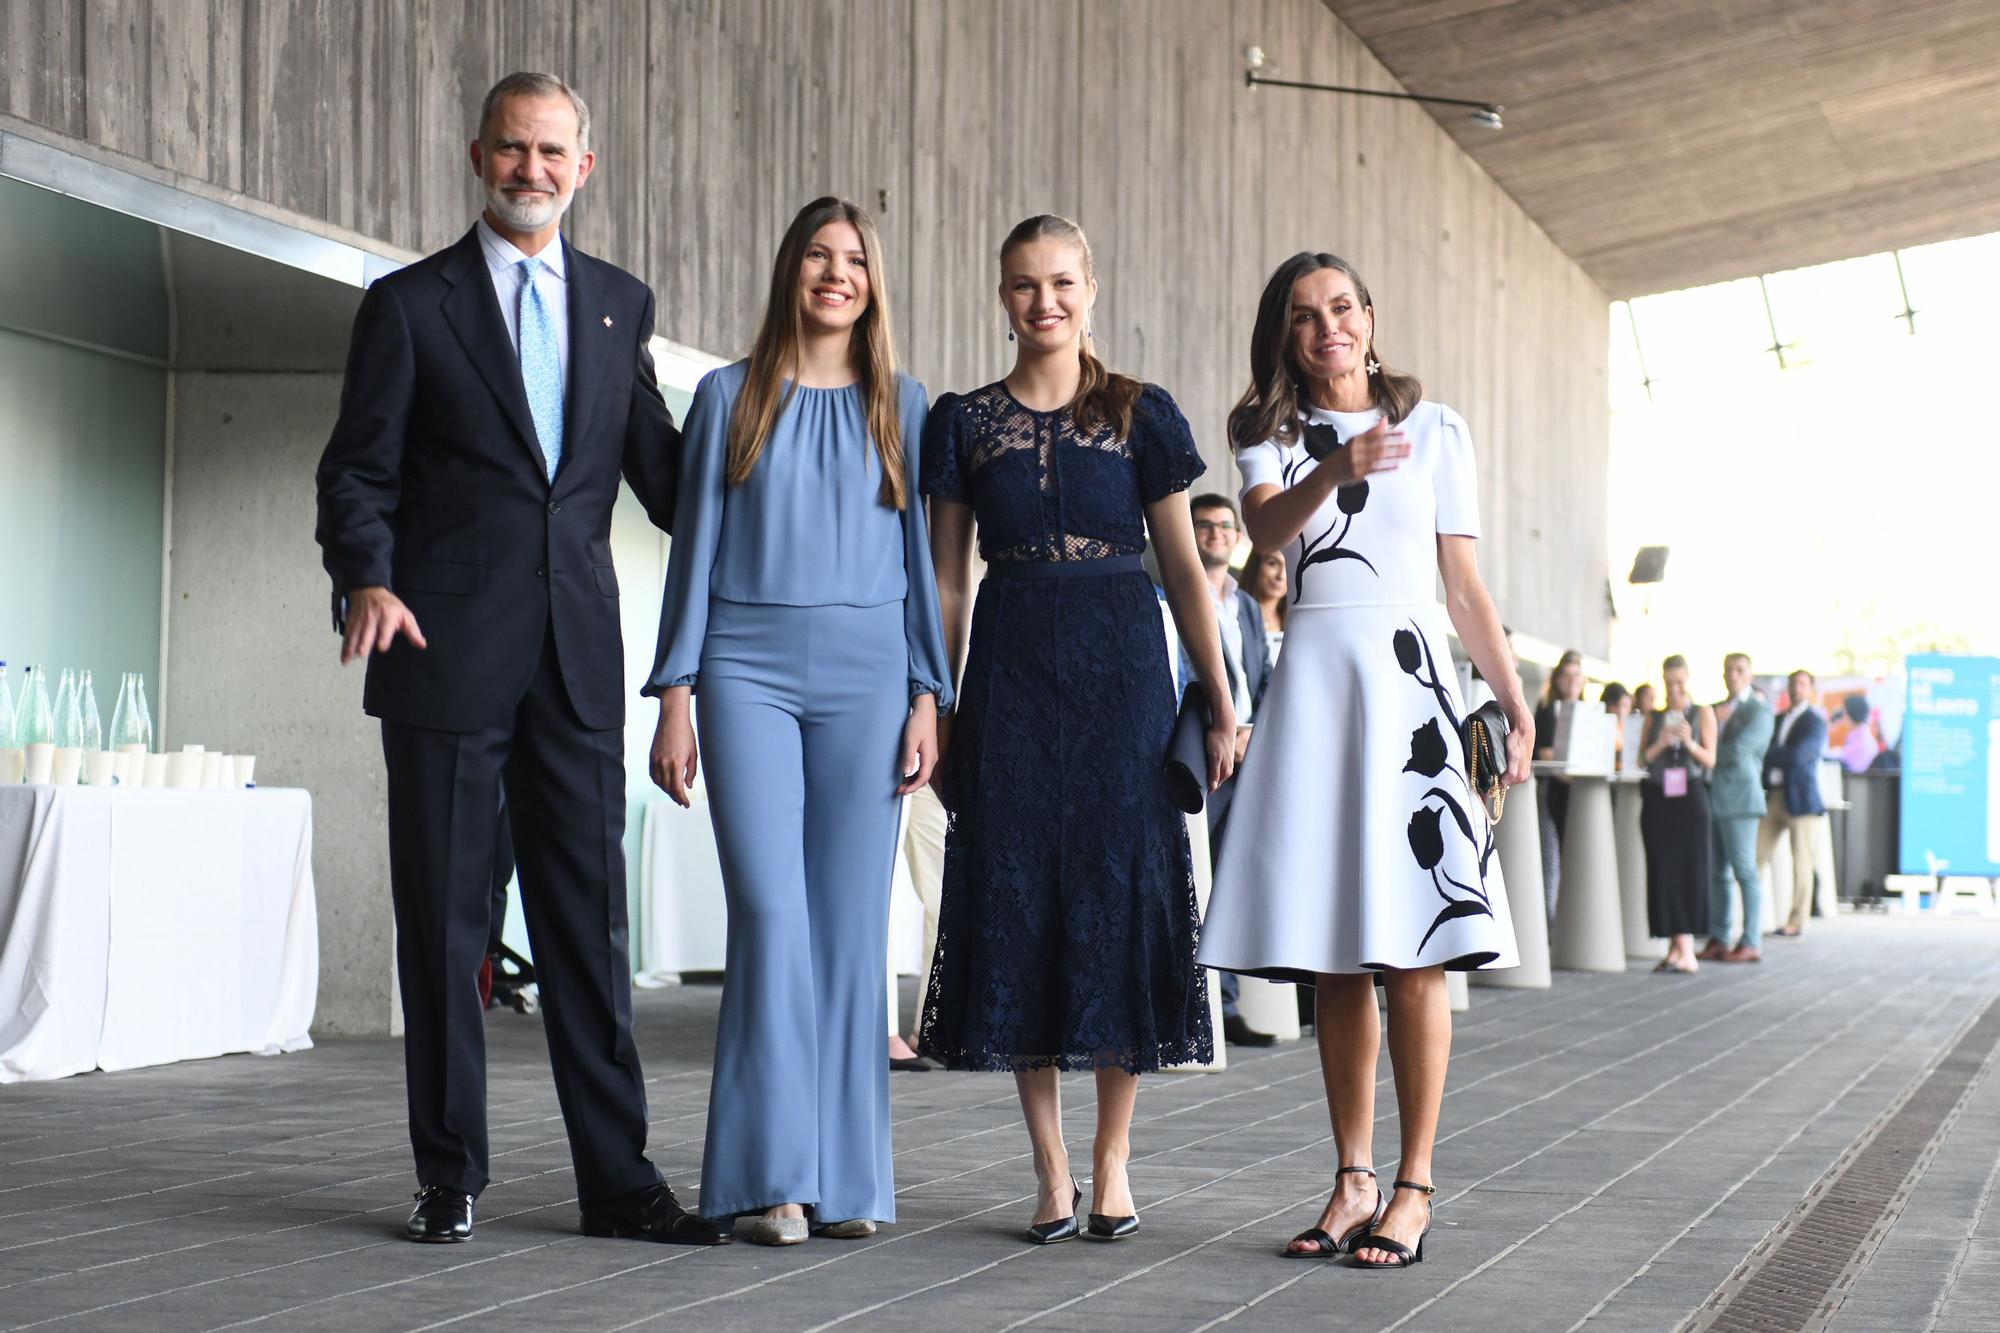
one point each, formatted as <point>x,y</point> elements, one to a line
<point>1064,569</point>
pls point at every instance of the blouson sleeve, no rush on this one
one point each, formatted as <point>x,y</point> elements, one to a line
<point>1163,448</point>
<point>923,625</point>
<point>697,532</point>
<point>942,478</point>
<point>1455,478</point>
<point>1261,465</point>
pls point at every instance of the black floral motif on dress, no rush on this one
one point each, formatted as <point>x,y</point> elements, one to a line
<point>1322,440</point>
<point>1431,757</point>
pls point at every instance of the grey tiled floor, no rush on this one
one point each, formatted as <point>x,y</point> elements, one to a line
<point>1610,1150</point>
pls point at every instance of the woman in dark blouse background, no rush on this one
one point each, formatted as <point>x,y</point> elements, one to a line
<point>1066,936</point>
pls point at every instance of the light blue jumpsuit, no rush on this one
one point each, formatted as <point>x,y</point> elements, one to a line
<point>804,612</point>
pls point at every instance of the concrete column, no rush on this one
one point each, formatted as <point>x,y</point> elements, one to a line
<point>1458,990</point>
<point>1589,934</point>
<point>1518,839</point>
<point>1626,802</point>
<point>1269,1006</point>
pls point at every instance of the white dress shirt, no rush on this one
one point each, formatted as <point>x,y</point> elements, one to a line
<point>551,280</point>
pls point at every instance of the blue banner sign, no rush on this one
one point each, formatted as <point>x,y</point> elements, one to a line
<point>1951,767</point>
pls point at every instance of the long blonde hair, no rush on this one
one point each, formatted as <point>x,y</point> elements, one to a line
<point>1103,397</point>
<point>775,353</point>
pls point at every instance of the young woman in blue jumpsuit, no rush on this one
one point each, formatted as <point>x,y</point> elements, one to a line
<point>801,612</point>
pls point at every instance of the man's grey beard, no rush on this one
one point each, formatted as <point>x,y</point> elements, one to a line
<point>525,216</point>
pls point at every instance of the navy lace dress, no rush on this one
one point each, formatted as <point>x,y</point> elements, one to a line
<point>1067,931</point>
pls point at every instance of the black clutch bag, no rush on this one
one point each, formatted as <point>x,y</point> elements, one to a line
<point>1186,769</point>
<point>1486,756</point>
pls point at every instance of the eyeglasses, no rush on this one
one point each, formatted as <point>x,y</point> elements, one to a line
<point>1210,525</point>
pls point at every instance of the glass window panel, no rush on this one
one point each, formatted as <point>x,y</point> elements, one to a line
<point>1694,336</point>
<point>1627,375</point>
<point>1839,313</point>
<point>1955,287</point>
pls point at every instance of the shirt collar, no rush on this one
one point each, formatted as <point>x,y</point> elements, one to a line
<point>502,254</point>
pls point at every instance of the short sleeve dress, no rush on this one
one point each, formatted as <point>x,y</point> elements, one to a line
<point>1067,926</point>
<point>1355,842</point>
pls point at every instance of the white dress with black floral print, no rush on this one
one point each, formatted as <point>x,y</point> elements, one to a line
<point>1355,843</point>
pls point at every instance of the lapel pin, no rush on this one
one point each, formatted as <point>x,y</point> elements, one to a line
<point>607,321</point>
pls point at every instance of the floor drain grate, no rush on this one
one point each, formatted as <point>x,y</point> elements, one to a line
<point>1798,1275</point>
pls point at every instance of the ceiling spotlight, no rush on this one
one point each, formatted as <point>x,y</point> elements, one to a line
<point>1486,114</point>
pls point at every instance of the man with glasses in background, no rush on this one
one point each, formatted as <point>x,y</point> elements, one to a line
<point>1246,653</point>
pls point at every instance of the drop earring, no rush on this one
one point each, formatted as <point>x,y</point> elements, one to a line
<point>1010,335</point>
<point>1374,366</point>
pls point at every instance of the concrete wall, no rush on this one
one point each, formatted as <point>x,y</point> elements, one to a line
<point>951,120</point>
<point>253,662</point>
<point>252,665</point>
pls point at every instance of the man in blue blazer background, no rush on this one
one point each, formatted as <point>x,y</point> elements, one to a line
<point>1794,807</point>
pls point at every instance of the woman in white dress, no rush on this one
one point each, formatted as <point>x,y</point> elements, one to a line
<point>1363,855</point>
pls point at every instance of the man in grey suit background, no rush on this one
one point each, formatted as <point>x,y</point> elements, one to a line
<point>1736,804</point>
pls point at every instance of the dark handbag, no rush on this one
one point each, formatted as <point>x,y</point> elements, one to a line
<point>1486,756</point>
<point>1186,769</point>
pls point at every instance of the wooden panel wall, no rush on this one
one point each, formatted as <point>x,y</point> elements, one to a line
<point>950,119</point>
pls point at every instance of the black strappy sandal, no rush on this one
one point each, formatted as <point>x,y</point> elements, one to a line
<point>1328,1246</point>
<point>1401,1255</point>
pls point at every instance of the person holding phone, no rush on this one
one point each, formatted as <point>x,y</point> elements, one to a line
<point>1679,750</point>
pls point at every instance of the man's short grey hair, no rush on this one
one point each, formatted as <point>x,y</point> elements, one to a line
<point>528,84</point>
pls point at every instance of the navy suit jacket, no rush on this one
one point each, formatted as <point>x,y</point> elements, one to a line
<point>1795,761</point>
<point>433,485</point>
<point>1256,652</point>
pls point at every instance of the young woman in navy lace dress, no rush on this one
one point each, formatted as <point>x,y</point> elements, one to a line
<point>1066,936</point>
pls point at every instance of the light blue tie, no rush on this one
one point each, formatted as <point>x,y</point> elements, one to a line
<point>541,368</point>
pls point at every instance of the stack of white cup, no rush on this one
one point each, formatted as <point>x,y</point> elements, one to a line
<point>193,767</point>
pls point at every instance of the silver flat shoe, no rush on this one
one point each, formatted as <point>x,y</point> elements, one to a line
<point>855,1228</point>
<point>775,1230</point>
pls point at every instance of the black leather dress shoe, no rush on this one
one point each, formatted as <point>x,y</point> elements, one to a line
<point>442,1216</point>
<point>1237,1032</point>
<point>651,1214</point>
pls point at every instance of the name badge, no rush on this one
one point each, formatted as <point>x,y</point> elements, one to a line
<point>1674,782</point>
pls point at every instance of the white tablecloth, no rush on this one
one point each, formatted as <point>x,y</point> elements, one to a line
<point>139,927</point>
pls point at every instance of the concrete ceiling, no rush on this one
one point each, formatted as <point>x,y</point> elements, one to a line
<point>1672,143</point>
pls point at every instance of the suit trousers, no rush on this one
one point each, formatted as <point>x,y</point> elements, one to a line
<point>801,714</point>
<point>566,801</point>
<point>924,824</point>
<point>1735,844</point>
<point>1812,852</point>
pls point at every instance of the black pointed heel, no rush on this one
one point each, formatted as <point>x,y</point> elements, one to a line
<point>1062,1228</point>
<point>1103,1227</point>
<point>1400,1255</point>
<point>1329,1247</point>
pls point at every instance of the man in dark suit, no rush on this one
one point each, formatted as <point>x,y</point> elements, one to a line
<point>1794,807</point>
<point>495,391</point>
<point>1246,657</point>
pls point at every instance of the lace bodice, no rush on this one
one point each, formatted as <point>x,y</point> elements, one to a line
<point>1042,490</point>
